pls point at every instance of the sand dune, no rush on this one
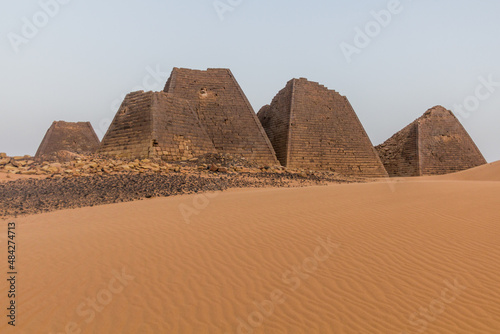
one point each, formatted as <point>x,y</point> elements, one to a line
<point>489,172</point>
<point>412,257</point>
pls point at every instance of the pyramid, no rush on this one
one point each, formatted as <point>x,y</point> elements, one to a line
<point>224,112</point>
<point>77,138</point>
<point>434,144</point>
<point>312,127</point>
<point>155,124</point>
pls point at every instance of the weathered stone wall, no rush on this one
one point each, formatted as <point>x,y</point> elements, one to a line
<point>77,137</point>
<point>177,131</point>
<point>155,124</point>
<point>275,119</point>
<point>434,144</point>
<point>130,133</point>
<point>399,154</point>
<point>324,132</point>
<point>224,112</point>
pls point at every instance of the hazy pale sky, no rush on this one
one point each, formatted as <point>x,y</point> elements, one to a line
<point>75,60</point>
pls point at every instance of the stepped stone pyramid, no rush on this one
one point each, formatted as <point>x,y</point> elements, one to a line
<point>315,128</point>
<point>155,124</point>
<point>434,144</point>
<point>77,138</point>
<point>224,112</point>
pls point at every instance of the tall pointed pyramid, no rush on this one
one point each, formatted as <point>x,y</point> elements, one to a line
<point>155,124</point>
<point>315,128</point>
<point>434,144</point>
<point>77,138</point>
<point>224,112</point>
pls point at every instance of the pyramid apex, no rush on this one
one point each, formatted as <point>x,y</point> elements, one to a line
<point>437,111</point>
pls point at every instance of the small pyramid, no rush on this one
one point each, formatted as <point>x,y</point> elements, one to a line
<point>79,138</point>
<point>155,124</point>
<point>312,127</point>
<point>224,112</point>
<point>434,144</point>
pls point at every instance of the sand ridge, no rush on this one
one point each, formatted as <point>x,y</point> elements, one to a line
<point>489,172</point>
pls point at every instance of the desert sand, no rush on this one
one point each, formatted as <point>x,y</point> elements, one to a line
<point>417,255</point>
<point>4,177</point>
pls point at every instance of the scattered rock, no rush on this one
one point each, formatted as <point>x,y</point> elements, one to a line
<point>10,168</point>
<point>84,189</point>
